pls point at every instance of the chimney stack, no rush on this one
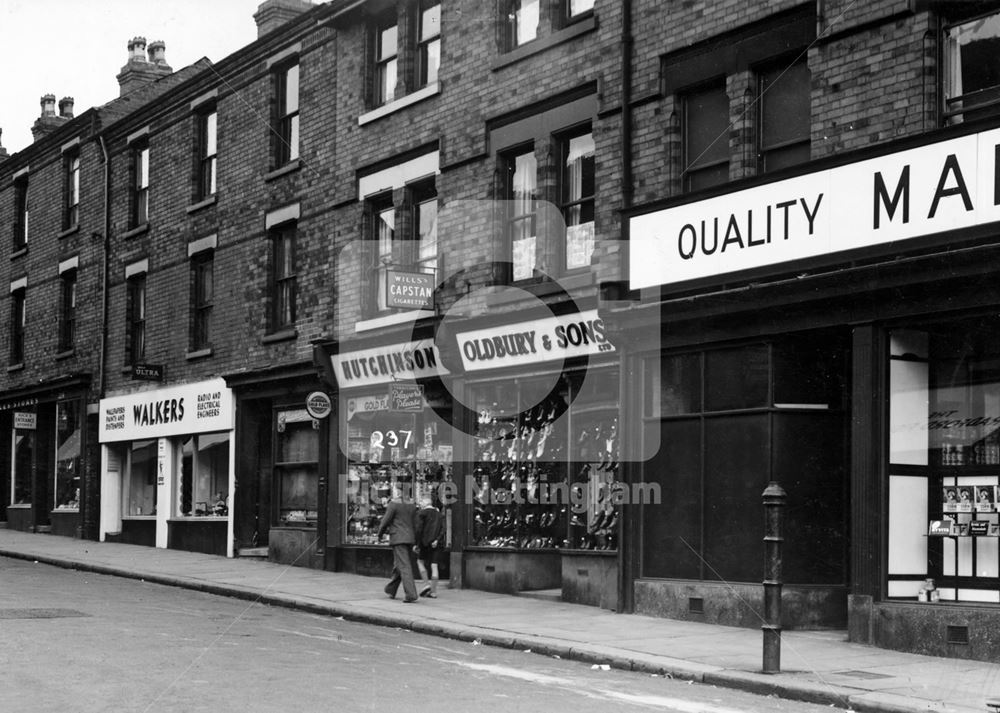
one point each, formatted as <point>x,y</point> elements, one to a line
<point>139,71</point>
<point>3,152</point>
<point>66,107</point>
<point>272,14</point>
<point>47,122</point>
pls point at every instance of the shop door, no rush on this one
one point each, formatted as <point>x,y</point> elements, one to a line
<point>252,497</point>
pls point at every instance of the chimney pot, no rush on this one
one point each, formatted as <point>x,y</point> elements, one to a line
<point>66,107</point>
<point>48,102</point>
<point>157,52</point>
<point>137,49</point>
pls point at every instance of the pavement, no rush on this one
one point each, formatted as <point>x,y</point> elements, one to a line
<point>816,666</point>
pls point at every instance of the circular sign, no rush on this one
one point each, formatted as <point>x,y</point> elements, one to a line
<point>318,405</point>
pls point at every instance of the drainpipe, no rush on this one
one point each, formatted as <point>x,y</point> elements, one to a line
<point>626,69</point>
<point>105,268</point>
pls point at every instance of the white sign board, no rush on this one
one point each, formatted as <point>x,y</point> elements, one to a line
<point>533,342</point>
<point>177,410</point>
<point>931,189</point>
<point>382,365</point>
<point>25,421</point>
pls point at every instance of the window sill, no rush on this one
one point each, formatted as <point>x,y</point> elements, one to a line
<point>282,335</point>
<point>396,104</point>
<point>19,253</point>
<point>137,230</point>
<point>138,517</point>
<point>15,367</point>
<point>65,353</point>
<point>391,319</point>
<point>20,506</point>
<point>579,27</point>
<point>195,207</point>
<point>69,231</point>
<point>198,354</point>
<point>289,167</point>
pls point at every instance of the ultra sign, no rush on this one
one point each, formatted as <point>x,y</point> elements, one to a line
<point>931,189</point>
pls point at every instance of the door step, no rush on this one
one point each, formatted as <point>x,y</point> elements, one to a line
<point>550,595</point>
<point>255,552</point>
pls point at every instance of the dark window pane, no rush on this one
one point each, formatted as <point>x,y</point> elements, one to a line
<point>680,385</point>
<point>707,126</point>
<point>809,369</point>
<point>736,378</point>
<point>785,105</point>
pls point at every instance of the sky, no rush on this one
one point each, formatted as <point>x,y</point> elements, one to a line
<point>76,48</point>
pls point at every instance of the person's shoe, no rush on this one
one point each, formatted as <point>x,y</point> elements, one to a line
<point>409,601</point>
<point>389,593</point>
<point>431,595</point>
<point>426,591</point>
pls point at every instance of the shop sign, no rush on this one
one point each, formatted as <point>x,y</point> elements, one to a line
<point>406,397</point>
<point>188,408</point>
<point>540,340</point>
<point>383,365</point>
<point>19,403</point>
<point>25,421</point>
<point>409,290</point>
<point>367,404</point>
<point>147,372</point>
<point>943,186</point>
<point>318,405</point>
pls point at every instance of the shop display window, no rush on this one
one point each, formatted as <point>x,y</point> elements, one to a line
<point>296,467</point>
<point>386,449</point>
<point>204,475</point>
<point>546,471</point>
<point>23,457</point>
<point>141,462</point>
<point>944,445</point>
<point>67,479</point>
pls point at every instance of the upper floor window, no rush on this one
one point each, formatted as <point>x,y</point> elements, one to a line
<point>386,48</point>
<point>20,213</point>
<point>429,43</point>
<point>136,308</point>
<point>575,8</point>
<point>17,321</point>
<point>521,171</point>
<point>706,137</point>
<point>522,22</point>
<point>576,197</point>
<point>207,123</point>
<point>425,213</point>
<point>67,310</point>
<point>784,102</point>
<point>202,299</point>
<point>283,276</point>
<point>140,184</point>
<point>972,68</point>
<point>382,238</point>
<point>287,130</point>
<point>71,191</point>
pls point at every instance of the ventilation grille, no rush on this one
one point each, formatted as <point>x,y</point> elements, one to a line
<point>958,635</point>
<point>696,605</point>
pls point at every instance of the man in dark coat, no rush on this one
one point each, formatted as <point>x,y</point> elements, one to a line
<point>399,521</point>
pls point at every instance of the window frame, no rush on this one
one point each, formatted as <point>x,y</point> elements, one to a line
<point>286,130</point>
<point>383,256</point>
<point>780,148</point>
<point>422,193</point>
<point>513,218</point>
<point>513,24</point>
<point>207,124</point>
<point>135,306</point>
<point>569,16</point>
<point>139,191</point>
<point>21,214</point>
<point>567,203</point>
<point>202,299</point>
<point>283,238</point>
<point>280,467</point>
<point>384,67</point>
<point>692,167</point>
<point>425,43</point>
<point>71,189</point>
<point>67,309</point>
<point>989,107</point>
<point>18,322</point>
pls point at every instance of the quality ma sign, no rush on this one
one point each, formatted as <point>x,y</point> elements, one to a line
<point>943,186</point>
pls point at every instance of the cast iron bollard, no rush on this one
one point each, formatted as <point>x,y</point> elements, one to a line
<point>774,501</point>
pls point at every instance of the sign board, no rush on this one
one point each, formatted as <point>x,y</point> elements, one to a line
<point>406,397</point>
<point>187,408</point>
<point>25,421</point>
<point>409,290</point>
<point>539,340</point>
<point>942,186</point>
<point>383,365</point>
<point>147,372</point>
<point>367,404</point>
<point>318,405</point>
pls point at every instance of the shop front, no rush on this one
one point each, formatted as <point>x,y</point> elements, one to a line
<point>166,467</point>
<point>834,332</point>
<point>43,449</point>
<point>390,436</point>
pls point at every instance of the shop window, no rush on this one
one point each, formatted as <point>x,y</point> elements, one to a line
<point>139,193</point>
<point>20,236</point>
<point>296,467</point>
<point>576,197</point>
<point>706,137</point>
<point>283,276</point>
<point>206,123</point>
<point>429,43</point>
<point>202,299</point>
<point>22,465</point>
<point>386,64</point>
<point>972,68</point>
<point>136,326</point>
<point>68,449</point>
<point>204,476</point>
<point>285,134</point>
<point>784,104</point>
<point>140,471</point>
<point>388,450</point>
<point>17,321</point>
<point>71,190</point>
<point>737,378</point>
<point>67,310</point>
<point>521,189</point>
<point>944,445</point>
<point>521,22</point>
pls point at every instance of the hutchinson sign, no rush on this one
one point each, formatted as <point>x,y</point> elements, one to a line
<point>943,186</point>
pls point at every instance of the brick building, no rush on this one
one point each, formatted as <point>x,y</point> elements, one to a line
<point>538,260</point>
